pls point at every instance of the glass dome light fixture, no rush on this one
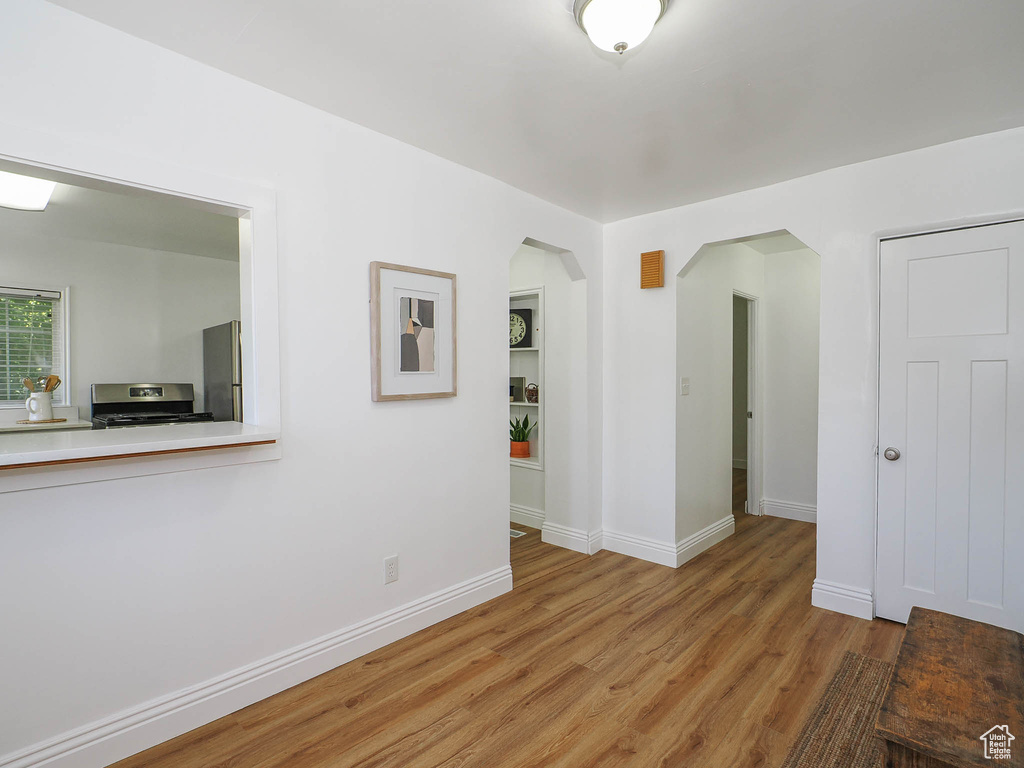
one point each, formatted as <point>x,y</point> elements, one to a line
<point>618,25</point>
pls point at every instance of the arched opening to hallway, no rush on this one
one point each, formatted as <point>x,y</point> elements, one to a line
<point>548,400</point>
<point>747,318</point>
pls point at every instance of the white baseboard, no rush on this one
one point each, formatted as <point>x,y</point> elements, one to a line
<point>133,730</point>
<point>704,539</point>
<point>841,598</point>
<point>562,536</point>
<point>739,463</point>
<point>651,550</point>
<point>528,516</point>
<point>595,542</point>
<point>806,513</point>
<point>666,553</point>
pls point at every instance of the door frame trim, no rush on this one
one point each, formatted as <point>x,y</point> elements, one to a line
<point>970,222</point>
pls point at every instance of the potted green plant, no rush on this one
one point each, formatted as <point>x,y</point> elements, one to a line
<point>520,434</point>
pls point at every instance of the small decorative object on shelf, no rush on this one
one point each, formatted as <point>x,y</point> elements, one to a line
<point>532,393</point>
<point>520,328</point>
<point>517,389</point>
<point>519,435</point>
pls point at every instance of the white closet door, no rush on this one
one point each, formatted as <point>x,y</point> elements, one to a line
<point>951,403</point>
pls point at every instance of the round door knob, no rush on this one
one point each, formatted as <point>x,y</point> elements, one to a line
<point>892,454</point>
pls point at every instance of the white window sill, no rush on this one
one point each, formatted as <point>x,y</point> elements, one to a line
<point>45,459</point>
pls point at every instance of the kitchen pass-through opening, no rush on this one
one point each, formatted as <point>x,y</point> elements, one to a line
<point>119,307</point>
<point>113,272</point>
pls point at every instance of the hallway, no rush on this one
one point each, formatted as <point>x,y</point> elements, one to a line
<point>739,491</point>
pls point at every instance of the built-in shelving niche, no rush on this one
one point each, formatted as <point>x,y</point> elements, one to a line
<point>528,362</point>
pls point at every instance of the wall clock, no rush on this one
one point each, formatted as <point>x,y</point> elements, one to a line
<point>520,328</point>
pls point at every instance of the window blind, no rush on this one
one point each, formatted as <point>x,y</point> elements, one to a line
<point>31,341</point>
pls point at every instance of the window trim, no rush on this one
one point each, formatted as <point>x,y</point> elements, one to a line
<point>67,392</point>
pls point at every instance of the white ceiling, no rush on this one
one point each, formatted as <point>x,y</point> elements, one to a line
<point>726,94</point>
<point>152,222</point>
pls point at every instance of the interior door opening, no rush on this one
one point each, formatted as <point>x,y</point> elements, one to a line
<point>126,297</point>
<point>547,353</point>
<point>743,384</point>
<point>747,344</point>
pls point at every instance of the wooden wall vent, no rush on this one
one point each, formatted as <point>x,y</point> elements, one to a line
<point>652,269</point>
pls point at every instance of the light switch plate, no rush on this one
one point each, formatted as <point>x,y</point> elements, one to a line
<point>684,387</point>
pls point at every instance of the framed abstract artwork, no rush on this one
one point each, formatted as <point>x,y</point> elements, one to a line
<point>412,333</point>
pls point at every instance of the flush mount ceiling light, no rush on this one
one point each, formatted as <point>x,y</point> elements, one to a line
<point>24,193</point>
<point>618,25</point>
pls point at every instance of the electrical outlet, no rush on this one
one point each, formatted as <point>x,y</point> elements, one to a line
<point>684,387</point>
<point>390,569</point>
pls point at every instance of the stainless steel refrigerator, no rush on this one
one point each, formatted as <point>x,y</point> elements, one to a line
<point>222,371</point>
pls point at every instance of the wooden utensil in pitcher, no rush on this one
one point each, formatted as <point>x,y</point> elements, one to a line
<point>52,382</point>
<point>28,384</point>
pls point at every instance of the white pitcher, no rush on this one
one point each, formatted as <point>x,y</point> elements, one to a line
<point>40,406</point>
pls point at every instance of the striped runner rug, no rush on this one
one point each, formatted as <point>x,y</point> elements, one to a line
<point>840,733</point>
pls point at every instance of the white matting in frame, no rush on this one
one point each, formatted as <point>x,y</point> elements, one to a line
<point>413,344</point>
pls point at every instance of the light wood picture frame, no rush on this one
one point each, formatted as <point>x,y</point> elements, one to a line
<point>413,333</point>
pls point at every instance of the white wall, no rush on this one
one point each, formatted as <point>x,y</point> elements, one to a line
<point>120,592</point>
<point>136,314</point>
<point>740,356</point>
<point>704,343</point>
<point>792,288</point>
<point>840,214</point>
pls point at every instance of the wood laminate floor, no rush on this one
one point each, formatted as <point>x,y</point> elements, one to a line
<point>533,559</point>
<point>589,661</point>
<point>739,491</point>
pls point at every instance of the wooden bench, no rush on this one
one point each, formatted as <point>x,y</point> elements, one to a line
<point>954,681</point>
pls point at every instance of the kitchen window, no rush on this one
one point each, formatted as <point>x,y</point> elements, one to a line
<point>33,342</point>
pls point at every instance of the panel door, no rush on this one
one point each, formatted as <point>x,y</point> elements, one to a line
<point>951,406</point>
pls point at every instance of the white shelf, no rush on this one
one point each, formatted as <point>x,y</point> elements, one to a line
<point>524,349</point>
<point>524,404</point>
<point>530,463</point>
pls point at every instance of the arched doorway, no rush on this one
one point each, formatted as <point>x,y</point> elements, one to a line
<point>548,386</point>
<point>747,384</point>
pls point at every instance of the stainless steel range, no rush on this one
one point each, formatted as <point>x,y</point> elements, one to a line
<point>140,405</point>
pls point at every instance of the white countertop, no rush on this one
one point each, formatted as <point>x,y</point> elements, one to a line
<point>42,446</point>
<point>69,424</point>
